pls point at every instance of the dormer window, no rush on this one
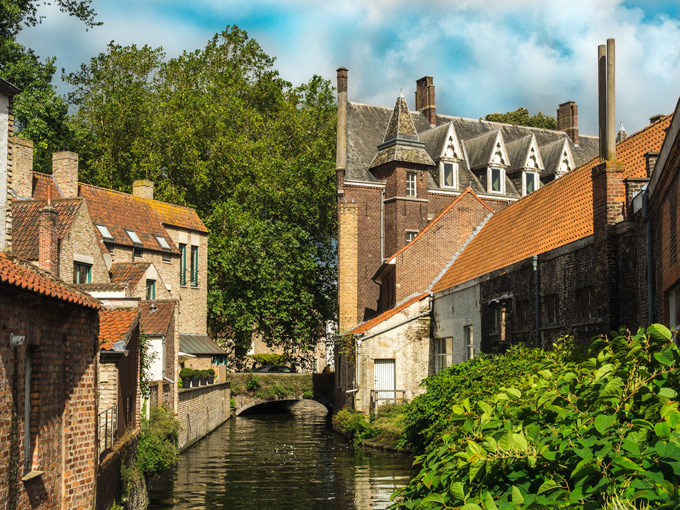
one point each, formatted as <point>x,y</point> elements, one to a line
<point>162,242</point>
<point>530,182</point>
<point>564,164</point>
<point>104,232</point>
<point>449,174</point>
<point>496,179</point>
<point>411,184</point>
<point>133,237</point>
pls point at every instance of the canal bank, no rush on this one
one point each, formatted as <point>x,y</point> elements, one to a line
<point>291,460</point>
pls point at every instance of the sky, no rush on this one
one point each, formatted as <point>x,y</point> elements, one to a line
<point>485,55</point>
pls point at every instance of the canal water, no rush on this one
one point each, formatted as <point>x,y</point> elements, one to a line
<point>273,461</point>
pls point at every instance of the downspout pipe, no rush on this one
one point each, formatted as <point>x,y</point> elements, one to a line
<point>650,262</point>
<point>537,299</point>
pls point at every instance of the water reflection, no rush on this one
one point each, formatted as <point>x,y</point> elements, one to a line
<point>279,461</point>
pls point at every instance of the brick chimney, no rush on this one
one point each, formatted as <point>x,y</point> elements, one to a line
<point>48,240</point>
<point>567,120</point>
<point>425,102</point>
<point>22,171</point>
<point>65,173</point>
<point>142,189</point>
<point>650,162</point>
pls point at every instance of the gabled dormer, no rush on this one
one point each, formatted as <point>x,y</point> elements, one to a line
<point>557,158</point>
<point>489,160</point>
<point>525,164</point>
<point>443,145</point>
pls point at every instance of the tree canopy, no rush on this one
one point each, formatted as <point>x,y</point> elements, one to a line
<point>219,130</point>
<point>521,117</point>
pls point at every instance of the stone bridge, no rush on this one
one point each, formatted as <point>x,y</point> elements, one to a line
<point>267,389</point>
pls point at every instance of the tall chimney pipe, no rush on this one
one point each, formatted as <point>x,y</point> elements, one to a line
<point>611,101</point>
<point>341,145</point>
<point>602,98</point>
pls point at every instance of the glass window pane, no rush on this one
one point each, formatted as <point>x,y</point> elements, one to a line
<point>530,182</point>
<point>448,174</point>
<point>495,179</point>
<point>134,237</point>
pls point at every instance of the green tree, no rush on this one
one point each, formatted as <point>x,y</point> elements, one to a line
<point>521,117</point>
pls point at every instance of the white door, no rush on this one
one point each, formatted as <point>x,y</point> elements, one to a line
<point>384,380</point>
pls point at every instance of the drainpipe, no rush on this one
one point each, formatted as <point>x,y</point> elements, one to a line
<point>650,264</point>
<point>537,299</point>
<point>382,226</point>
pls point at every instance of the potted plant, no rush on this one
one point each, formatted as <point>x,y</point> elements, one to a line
<point>195,377</point>
<point>204,377</point>
<point>185,374</point>
<point>211,376</point>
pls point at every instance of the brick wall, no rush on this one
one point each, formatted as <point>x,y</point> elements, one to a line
<point>62,340</point>
<point>82,240</point>
<point>109,481</point>
<point>201,410</point>
<point>348,236</point>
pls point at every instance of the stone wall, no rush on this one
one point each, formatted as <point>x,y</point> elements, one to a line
<point>201,410</point>
<point>110,483</point>
<point>82,240</point>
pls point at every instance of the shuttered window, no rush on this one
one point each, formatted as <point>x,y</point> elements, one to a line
<point>183,264</point>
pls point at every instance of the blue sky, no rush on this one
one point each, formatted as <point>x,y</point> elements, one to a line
<point>485,55</point>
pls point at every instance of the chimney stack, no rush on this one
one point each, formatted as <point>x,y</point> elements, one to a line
<point>656,118</point>
<point>611,102</point>
<point>48,240</point>
<point>567,120</point>
<point>65,173</point>
<point>650,162</point>
<point>602,99</point>
<point>142,189</point>
<point>425,102</point>
<point>22,178</point>
<point>341,140</point>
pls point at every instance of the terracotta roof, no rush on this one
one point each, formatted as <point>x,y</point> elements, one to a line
<point>26,223</point>
<point>116,326</point>
<point>25,276</point>
<point>552,216</point>
<point>128,273</point>
<point>40,184</point>
<point>158,321</point>
<point>176,215</point>
<point>437,218</point>
<point>370,324</point>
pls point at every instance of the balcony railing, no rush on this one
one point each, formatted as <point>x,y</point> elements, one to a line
<point>108,428</point>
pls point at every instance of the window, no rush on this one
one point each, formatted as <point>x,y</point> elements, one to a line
<point>584,302</point>
<point>469,342</point>
<point>552,307</point>
<point>194,266</point>
<point>674,302</point>
<point>82,273</point>
<point>530,182</point>
<point>411,235</point>
<point>411,184</point>
<point>166,256</point>
<point>443,353</point>
<point>151,289</point>
<point>496,178</point>
<point>162,242</point>
<point>137,253</point>
<point>521,316</point>
<point>182,264</point>
<point>134,237</point>
<point>449,171</point>
<point>498,318</point>
<point>104,232</point>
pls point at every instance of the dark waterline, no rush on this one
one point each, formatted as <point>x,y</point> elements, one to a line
<point>276,461</point>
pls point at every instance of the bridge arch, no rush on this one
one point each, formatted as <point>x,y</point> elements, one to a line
<point>260,406</point>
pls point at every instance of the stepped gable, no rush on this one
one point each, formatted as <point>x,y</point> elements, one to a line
<point>366,128</point>
<point>370,324</point>
<point>156,316</point>
<point>25,276</point>
<point>401,142</point>
<point>26,224</point>
<point>119,212</point>
<point>564,206</point>
<point>128,273</point>
<point>115,327</point>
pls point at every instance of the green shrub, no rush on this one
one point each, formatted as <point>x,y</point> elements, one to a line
<point>308,394</point>
<point>232,403</point>
<point>354,425</point>
<point>186,373</point>
<point>252,384</point>
<point>236,389</point>
<point>157,449</point>
<point>271,359</point>
<point>601,432</point>
<point>210,372</point>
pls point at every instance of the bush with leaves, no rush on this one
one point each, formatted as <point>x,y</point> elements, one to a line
<point>157,449</point>
<point>599,433</point>
<point>354,425</point>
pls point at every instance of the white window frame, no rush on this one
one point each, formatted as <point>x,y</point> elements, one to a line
<point>412,234</point>
<point>524,182</point>
<point>442,173</point>
<point>489,175</point>
<point>411,184</point>
<point>133,237</point>
<point>105,233</point>
<point>162,242</point>
<point>443,353</point>
<point>468,335</point>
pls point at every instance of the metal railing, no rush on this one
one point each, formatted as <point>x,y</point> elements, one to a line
<point>382,396</point>
<point>108,428</point>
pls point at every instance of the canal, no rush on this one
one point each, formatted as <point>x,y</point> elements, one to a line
<point>272,461</point>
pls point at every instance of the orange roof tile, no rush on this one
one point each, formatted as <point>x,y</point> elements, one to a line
<point>116,326</point>
<point>25,276</point>
<point>156,322</point>
<point>370,324</point>
<point>436,219</point>
<point>552,216</point>
<point>176,215</point>
<point>40,184</point>
<point>128,273</point>
<point>26,223</point>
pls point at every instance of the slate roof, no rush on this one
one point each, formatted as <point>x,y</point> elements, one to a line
<point>128,273</point>
<point>366,126</point>
<point>518,151</point>
<point>564,207</point>
<point>156,322</point>
<point>7,88</point>
<point>480,148</point>
<point>26,224</point>
<point>370,324</point>
<point>25,276</point>
<point>199,345</point>
<point>551,155</point>
<point>116,327</point>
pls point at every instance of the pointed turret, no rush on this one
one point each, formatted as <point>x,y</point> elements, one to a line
<point>401,142</point>
<point>621,135</point>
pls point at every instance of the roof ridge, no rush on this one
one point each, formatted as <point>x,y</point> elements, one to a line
<point>408,300</point>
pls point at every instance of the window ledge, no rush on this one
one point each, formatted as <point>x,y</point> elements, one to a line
<point>32,474</point>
